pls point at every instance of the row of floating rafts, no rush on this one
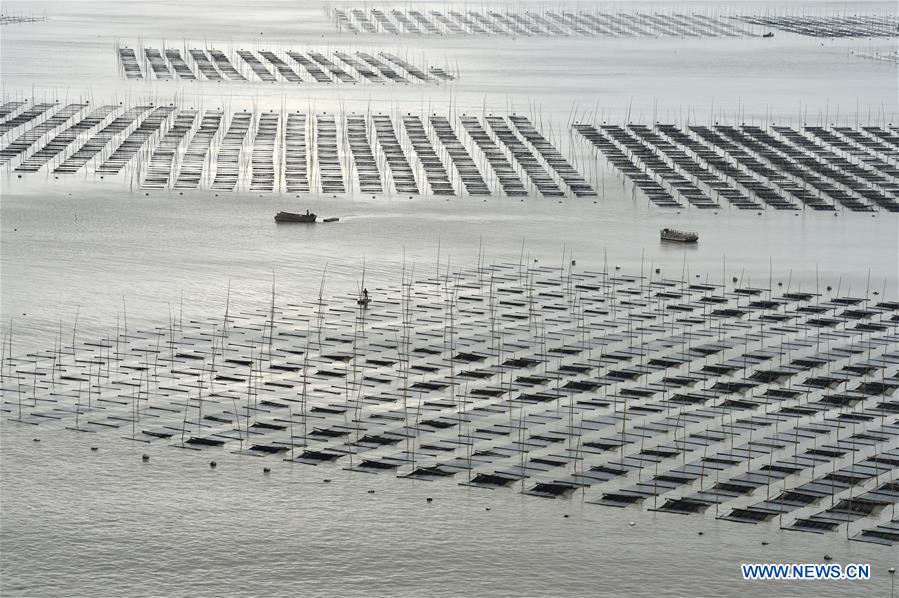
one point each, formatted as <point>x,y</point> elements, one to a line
<point>311,67</point>
<point>125,152</point>
<point>523,156</point>
<point>327,157</point>
<point>534,23</point>
<point>10,107</point>
<point>464,164</point>
<point>382,20</point>
<point>693,194</point>
<point>876,171</point>
<point>23,142</point>
<point>400,171</point>
<point>713,161</point>
<point>95,144</point>
<point>430,433</point>
<point>173,55</point>
<point>60,142</point>
<point>162,161</point>
<point>360,66</point>
<point>435,173</point>
<point>158,64</point>
<point>227,166</point>
<point>409,67</point>
<point>571,177</point>
<point>26,116</point>
<point>282,67</point>
<point>766,192</point>
<point>852,176</point>
<point>620,160</point>
<point>369,67</point>
<point>339,73</point>
<point>129,63</point>
<point>890,136</point>
<point>296,160</point>
<point>204,64</point>
<point>367,174</point>
<point>263,162</point>
<point>647,166</point>
<point>224,66</point>
<point>504,171</point>
<point>810,170</point>
<point>256,66</point>
<point>194,158</point>
<point>784,166</point>
<point>857,26</point>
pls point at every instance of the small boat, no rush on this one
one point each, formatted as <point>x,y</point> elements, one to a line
<point>769,34</point>
<point>291,217</point>
<point>669,234</point>
<point>331,220</point>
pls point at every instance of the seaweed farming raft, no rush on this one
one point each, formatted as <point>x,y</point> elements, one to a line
<point>369,153</point>
<point>632,391</point>
<point>278,65</point>
<point>751,167</point>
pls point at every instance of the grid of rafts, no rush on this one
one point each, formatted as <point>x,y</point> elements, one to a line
<point>296,160</point>
<point>20,146</point>
<point>856,25</point>
<point>194,161</point>
<point>539,21</point>
<point>368,176</point>
<point>277,66</point>
<point>779,167</point>
<point>264,173</point>
<point>227,165</point>
<point>327,155</point>
<point>634,390</point>
<point>163,164</point>
<point>400,172</point>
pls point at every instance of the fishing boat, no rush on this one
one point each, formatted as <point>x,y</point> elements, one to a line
<point>291,217</point>
<point>669,234</point>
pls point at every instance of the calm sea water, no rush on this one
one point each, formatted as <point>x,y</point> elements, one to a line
<point>78,523</point>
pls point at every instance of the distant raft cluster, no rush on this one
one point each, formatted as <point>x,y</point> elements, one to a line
<point>752,167</point>
<point>8,18</point>
<point>277,66</point>
<point>164,147</point>
<point>548,22</point>
<point>830,26</point>
<point>629,390</point>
